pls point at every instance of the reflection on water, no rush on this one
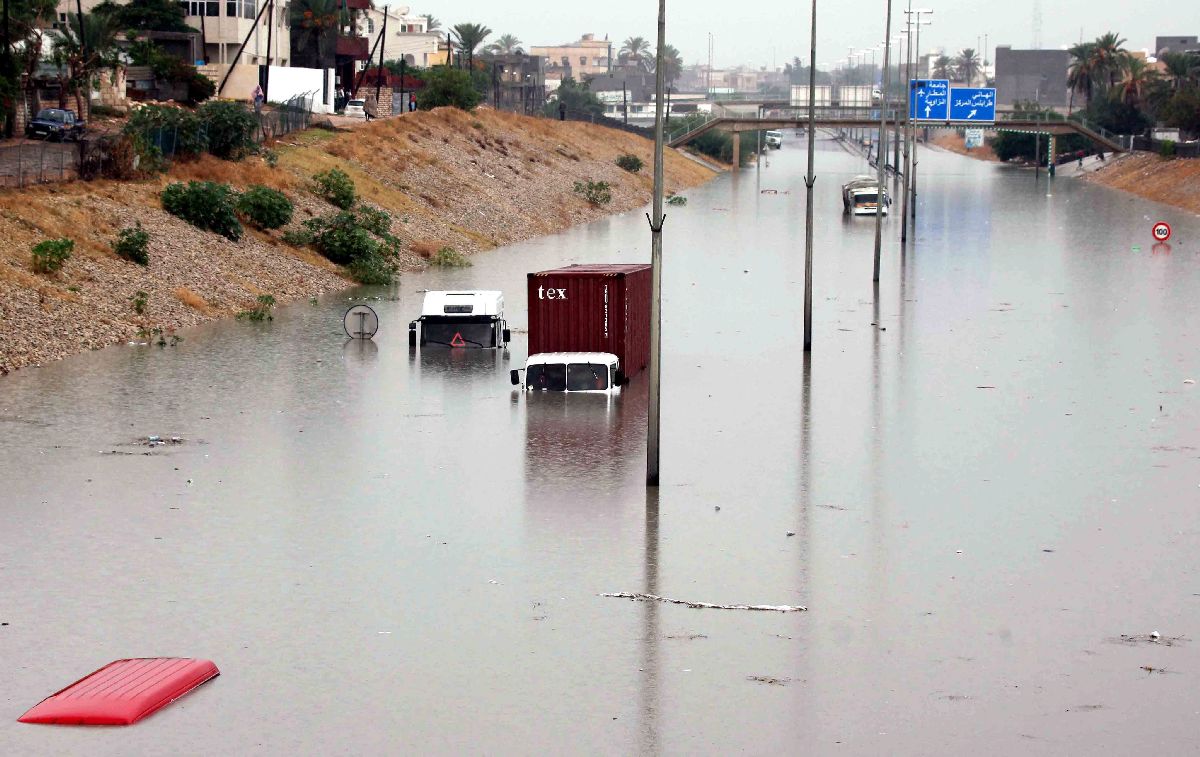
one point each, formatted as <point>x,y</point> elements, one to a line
<point>397,537</point>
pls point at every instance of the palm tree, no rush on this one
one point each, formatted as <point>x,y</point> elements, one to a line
<point>316,22</point>
<point>1181,67</point>
<point>1139,77</point>
<point>86,49</point>
<point>432,23</point>
<point>1109,60</point>
<point>1080,76</point>
<point>968,65</point>
<point>636,50</point>
<point>470,36</point>
<point>943,67</point>
<point>672,64</point>
<point>505,44</point>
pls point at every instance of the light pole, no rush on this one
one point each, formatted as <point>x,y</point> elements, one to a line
<point>917,53</point>
<point>656,224</point>
<point>809,180</point>
<point>908,89</point>
<point>881,148</point>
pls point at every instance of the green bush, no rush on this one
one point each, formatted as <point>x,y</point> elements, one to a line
<point>297,237</point>
<point>159,130</point>
<point>261,310</point>
<point>341,238</point>
<point>1167,148</point>
<point>266,208</point>
<point>448,257</point>
<point>377,222</point>
<point>595,192</point>
<point>630,163</point>
<point>375,269</point>
<point>270,157</point>
<point>140,300</point>
<point>335,187</point>
<point>231,128</point>
<point>677,200</point>
<point>50,255</point>
<point>447,86</point>
<point>200,87</point>
<point>205,205</point>
<point>131,244</point>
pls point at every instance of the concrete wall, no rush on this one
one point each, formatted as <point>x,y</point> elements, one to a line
<point>287,82</point>
<point>1031,75</point>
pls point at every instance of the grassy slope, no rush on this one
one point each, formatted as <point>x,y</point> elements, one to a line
<point>468,181</point>
<point>1174,182</point>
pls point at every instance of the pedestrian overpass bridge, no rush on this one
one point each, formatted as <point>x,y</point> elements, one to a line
<point>736,119</point>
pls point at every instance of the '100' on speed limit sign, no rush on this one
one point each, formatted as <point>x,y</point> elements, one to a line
<point>1161,231</point>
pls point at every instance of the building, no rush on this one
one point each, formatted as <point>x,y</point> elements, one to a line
<point>1037,76</point>
<point>1176,44</point>
<point>518,82</point>
<point>576,60</point>
<point>407,36</point>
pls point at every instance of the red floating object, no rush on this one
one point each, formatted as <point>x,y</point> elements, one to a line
<point>122,692</point>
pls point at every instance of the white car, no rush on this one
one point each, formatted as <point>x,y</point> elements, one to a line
<point>775,139</point>
<point>356,109</point>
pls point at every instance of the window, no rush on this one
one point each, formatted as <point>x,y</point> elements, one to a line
<point>585,377</point>
<point>566,62</point>
<point>583,60</point>
<point>370,26</point>
<point>549,377</point>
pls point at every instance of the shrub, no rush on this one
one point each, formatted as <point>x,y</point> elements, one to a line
<point>335,187</point>
<point>448,257</point>
<point>231,128</point>
<point>266,208</point>
<point>630,163</point>
<point>140,300</point>
<point>447,86</point>
<point>162,130</point>
<point>261,310</point>
<point>297,237</point>
<point>1166,148</point>
<point>341,238</point>
<point>270,157</point>
<point>50,255</point>
<point>205,205</point>
<point>595,192</point>
<point>377,222</point>
<point>375,268</point>
<point>677,200</point>
<point>131,244</point>
<point>200,87</point>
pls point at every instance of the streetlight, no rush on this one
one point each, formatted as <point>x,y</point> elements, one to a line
<point>656,225</point>
<point>881,148</point>
<point>917,56</point>
<point>809,180</point>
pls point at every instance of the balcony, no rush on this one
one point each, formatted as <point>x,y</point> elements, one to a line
<point>353,47</point>
<point>360,5</point>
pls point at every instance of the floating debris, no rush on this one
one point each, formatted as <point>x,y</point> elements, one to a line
<point>770,680</point>
<point>639,597</point>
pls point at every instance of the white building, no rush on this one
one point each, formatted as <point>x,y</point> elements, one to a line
<point>407,37</point>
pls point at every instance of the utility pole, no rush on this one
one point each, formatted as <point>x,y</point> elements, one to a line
<point>809,180</point>
<point>656,225</point>
<point>270,28</point>
<point>881,148</point>
<point>8,71</point>
<point>625,101</point>
<point>919,22</point>
<point>379,73</point>
<point>908,88</point>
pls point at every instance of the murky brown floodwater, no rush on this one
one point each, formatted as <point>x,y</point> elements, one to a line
<point>387,552</point>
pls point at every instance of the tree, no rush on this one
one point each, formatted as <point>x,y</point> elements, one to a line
<point>1109,59</point>
<point>145,15</point>
<point>1183,110</point>
<point>432,23</point>
<point>505,44</point>
<point>636,50</point>
<point>470,36</point>
<point>672,64</point>
<point>315,25</point>
<point>1139,76</point>
<point>1080,75</point>
<point>577,98</point>
<point>447,86</point>
<point>968,65</point>
<point>1181,67</point>
<point>86,49</point>
<point>943,67</point>
<point>26,19</point>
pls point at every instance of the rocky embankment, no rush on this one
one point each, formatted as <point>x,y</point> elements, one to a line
<point>469,181</point>
<point>1171,181</point>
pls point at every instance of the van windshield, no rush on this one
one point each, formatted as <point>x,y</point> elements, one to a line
<point>547,377</point>
<point>457,332</point>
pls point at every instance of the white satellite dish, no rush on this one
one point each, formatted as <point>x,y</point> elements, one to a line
<point>361,322</point>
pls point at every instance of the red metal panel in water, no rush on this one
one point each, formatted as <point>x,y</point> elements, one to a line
<point>122,692</point>
<point>592,308</point>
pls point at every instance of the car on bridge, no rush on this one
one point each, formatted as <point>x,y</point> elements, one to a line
<point>55,124</point>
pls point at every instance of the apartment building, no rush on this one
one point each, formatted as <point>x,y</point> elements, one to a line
<point>576,60</point>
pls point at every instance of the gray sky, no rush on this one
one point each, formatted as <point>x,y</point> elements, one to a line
<point>779,30</point>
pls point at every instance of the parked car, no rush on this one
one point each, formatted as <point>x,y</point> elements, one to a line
<point>55,124</point>
<point>356,109</point>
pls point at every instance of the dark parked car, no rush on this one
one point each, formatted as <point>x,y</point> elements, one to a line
<point>55,124</point>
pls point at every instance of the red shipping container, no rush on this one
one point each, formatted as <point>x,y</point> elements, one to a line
<point>592,308</point>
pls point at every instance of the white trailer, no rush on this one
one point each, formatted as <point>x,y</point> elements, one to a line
<point>461,319</point>
<point>822,93</point>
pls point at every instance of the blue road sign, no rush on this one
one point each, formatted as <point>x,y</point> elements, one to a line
<point>973,104</point>
<point>929,99</point>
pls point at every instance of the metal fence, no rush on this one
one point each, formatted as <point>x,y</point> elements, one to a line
<point>31,162</point>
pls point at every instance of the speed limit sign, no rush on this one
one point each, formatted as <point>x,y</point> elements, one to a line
<point>1161,231</point>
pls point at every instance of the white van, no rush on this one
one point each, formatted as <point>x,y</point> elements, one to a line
<point>775,139</point>
<point>592,372</point>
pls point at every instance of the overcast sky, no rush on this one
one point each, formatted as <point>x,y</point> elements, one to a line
<point>757,33</point>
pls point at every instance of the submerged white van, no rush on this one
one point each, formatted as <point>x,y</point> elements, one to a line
<point>595,372</point>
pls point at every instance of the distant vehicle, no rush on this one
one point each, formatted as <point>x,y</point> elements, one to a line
<point>591,372</point>
<point>55,124</point>
<point>469,319</point>
<point>860,196</point>
<point>775,139</point>
<point>356,109</point>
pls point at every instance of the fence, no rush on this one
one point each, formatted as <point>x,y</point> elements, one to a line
<point>37,162</point>
<point>1178,149</point>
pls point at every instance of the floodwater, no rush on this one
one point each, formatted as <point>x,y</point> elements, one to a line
<point>388,552</point>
